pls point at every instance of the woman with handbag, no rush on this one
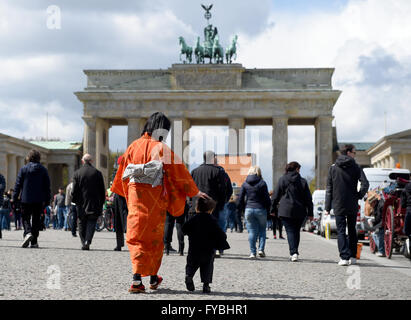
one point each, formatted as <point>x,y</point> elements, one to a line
<point>292,203</point>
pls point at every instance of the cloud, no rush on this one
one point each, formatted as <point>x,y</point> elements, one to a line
<point>366,41</point>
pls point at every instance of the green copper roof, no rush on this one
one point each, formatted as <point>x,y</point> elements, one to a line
<point>61,145</point>
<point>360,146</point>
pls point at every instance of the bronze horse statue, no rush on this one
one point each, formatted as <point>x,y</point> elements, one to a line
<point>185,49</point>
<point>199,52</point>
<point>218,53</point>
<point>231,50</point>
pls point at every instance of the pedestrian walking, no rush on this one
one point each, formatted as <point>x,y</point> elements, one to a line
<point>153,180</point>
<point>292,203</point>
<point>120,219</point>
<point>88,194</point>
<point>342,195</point>
<point>33,188</point>
<point>178,222</point>
<point>276,222</point>
<point>204,237</point>
<point>406,203</point>
<point>376,206</point>
<point>212,179</point>
<point>16,207</point>
<point>255,200</point>
<point>2,188</point>
<point>72,210</point>
<point>231,208</point>
<point>6,211</point>
<point>59,202</point>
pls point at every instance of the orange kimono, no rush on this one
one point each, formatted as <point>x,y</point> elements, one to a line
<point>147,206</point>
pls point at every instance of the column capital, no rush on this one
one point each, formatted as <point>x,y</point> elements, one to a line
<point>90,121</point>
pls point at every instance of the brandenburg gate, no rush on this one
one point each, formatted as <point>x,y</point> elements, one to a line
<point>212,94</point>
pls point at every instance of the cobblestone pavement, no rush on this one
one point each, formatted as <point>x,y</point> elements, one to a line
<point>60,270</point>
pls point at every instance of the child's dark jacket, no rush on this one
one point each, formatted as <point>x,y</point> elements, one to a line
<point>204,234</point>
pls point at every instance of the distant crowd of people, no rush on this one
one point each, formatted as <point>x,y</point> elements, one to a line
<point>149,196</point>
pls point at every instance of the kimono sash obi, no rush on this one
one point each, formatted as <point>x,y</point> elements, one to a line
<point>149,173</point>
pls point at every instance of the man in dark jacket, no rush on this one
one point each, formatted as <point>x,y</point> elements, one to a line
<point>120,219</point>
<point>406,203</point>
<point>214,181</point>
<point>33,188</point>
<point>342,195</point>
<point>2,188</point>
<point>89,195</point>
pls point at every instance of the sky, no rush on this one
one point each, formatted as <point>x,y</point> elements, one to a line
<point>368,42</point>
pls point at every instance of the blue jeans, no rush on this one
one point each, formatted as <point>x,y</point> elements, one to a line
<point>222,219</point>
<point>256,225</point>
<point>47,221</point>
<point>60,217</point>
<point>66,226</point>
<point>292,228</point>
<point>5,219</point>
<point>378,237</point>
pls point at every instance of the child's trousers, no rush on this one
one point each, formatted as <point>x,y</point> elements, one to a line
<point>206,264</point>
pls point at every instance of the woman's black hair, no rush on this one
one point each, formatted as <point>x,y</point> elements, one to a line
<point>292,166</point>
<point>157,121</point>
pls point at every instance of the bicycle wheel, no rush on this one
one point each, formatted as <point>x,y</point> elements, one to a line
<point>100,223</point>
<point>109,219</point>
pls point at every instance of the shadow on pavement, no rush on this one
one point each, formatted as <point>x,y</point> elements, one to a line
<point>232,294</point>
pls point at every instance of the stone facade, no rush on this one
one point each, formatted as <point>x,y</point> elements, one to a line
<point>391,150</point>
<point>231,95</point>
<point>13,152</point>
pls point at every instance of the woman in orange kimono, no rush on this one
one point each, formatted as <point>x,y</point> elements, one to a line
<point>148,201</point>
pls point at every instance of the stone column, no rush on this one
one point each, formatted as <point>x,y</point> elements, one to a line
<point>280,147</point>
<point>134,129</point>
<point>236,139</point>
<point>20,163</point>
<point>3,165</point>
<point>323,150</point>
<point>394,159</point>
<point>11,171</point>
<point>102,148</point>
<point>70,171</point>
<point>180,138</point>
<point>89,144</point>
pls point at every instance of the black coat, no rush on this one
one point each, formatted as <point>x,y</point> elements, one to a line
<point>406,197</point>
<point>292,197</point>
<point>204,234</point>
<point>88,189</point>
<point>2,188</point>
<point>214,181</point>
<point>32,184</point>
<point>341,192</point>
<point>254,194</point>
<point>378,211</point>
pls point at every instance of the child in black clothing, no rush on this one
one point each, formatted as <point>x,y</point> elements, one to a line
<point>204,237</point>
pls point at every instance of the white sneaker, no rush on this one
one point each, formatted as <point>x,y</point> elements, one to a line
<point>26,240</point>
<point>353,261</point>
<point>252,256</point>
<point>379,254</point>
<point>294,257</point>
<point>343,262</point>
<point>261,254</point>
